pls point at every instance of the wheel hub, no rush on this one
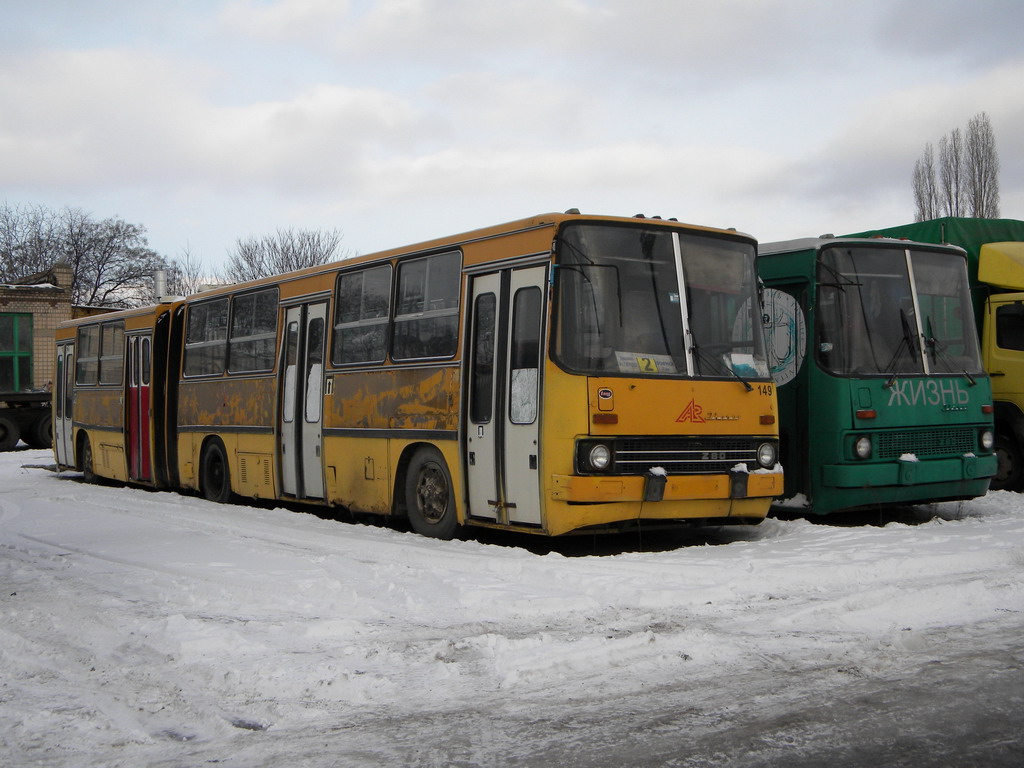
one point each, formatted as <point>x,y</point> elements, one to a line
<point>432,494</point>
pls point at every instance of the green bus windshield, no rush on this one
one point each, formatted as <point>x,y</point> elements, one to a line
<point>894,311</point>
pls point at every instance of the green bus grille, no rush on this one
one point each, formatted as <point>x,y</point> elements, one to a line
<point>928,442</point>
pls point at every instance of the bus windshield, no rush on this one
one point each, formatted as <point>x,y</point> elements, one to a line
<point>656,301</point>
<point>888,311</point>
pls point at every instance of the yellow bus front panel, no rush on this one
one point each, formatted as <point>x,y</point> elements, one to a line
<point>708,413</point>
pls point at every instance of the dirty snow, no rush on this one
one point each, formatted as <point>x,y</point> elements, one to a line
<point>156,629</point>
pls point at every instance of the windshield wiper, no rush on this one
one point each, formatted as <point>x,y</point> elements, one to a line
<point>939,352</point>
<point>906,343</point>
<point>720,364</point>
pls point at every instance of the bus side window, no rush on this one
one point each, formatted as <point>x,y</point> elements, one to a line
<point>146,360</point>
<point>58,385</point>
<point>525,368</point>
<point>427,323</point>
<point>253,332</point>
<point>291,356</point>
<point>206,338</point>
<point>111,353</point>
<point>88,348</point>
<point>69,389</point>
<point>314,369</point>
<point>363,313</point>
<point>482,381</point>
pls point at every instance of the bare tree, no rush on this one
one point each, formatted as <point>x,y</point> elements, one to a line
<point>982,167</point>
<point>187,274</point>
<point>951,174</point>
<point>28,240</point>
<point>968,174</point>
<point>285,251</point>
<point>925,193</point>
<point>112,265</point>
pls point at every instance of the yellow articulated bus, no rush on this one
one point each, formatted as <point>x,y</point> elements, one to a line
<point>556,374</point>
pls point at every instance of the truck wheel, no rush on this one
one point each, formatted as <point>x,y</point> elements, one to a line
<point>1009,465</point>
<point>429,496</point>
<point>40,432</point>
<point>9,433</point>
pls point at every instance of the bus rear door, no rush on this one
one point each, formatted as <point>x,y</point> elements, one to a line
<point>63,394</point>
<point>140,356</point>
<point>301,416</point>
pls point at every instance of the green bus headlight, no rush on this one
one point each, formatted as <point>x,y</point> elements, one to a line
<point>986,440</point>
<point>863,447</point>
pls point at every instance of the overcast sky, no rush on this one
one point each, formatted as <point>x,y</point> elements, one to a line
<point>396,121</point>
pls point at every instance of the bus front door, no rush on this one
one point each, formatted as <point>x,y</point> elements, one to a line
<point>63,391</point>
<point>301,416</point>
<point>503,396</point>
<point>140,357</point>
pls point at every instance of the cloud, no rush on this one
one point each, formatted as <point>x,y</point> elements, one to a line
<point>860,176</point>
<point>89,117</point>
<point>879,145</point>
<point>324,137</point>
<point>121,117</point>
<point>698,44</point>
<point>979,33</point>
<point>781,118</point>
<point>290,21</point>
<point>694,42</point>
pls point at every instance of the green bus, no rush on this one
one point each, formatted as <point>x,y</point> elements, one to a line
<point>883,400</point>
<point>995,267</point>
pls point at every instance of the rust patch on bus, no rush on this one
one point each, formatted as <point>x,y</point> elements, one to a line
<point>212,403</point>
<point>404,398</point>
<point>99,407</point>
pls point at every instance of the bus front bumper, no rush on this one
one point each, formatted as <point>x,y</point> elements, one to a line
<point>908,473</point>
<point>596,489</point>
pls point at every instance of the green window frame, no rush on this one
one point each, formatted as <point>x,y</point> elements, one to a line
<point>15,352</point>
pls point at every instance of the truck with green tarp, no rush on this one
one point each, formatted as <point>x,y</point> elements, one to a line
<point>995,267</point>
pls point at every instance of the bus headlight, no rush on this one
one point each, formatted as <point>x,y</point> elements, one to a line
<point>766,455</point>
<point>599,457</point>
<point>986,440</point>
<point>863,447</point>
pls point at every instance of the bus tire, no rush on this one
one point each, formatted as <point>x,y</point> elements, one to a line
<point>40,433</point>
<point>9,433</point>
<point>215,480</point>
<point>85,462</point>
<point>429,496</point>
<point>1009,465</point>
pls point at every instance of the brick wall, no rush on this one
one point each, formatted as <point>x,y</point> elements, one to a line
<point>47,297</point>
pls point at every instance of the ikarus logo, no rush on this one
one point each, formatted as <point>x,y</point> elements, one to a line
<point>944,392</point>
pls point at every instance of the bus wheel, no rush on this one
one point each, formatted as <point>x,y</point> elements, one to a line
<point>216,477</point>
<point>86,462</point>
<point>9,433</point>
<point>429,497</point>
<point>1009,465</point>
<point>40,434</point>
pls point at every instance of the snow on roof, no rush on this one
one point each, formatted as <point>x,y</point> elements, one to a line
<point>37,286</point>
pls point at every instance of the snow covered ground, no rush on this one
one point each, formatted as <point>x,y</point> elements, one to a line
<point>154,629</point>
